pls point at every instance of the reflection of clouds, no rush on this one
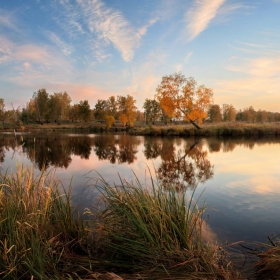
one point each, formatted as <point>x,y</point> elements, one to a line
<point>258,184</point>
<point>261,159</point>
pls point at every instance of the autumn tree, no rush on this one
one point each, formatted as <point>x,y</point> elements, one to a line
<point>262,116</point>
<point>229,113</point>
<point>123,119</point>
<point>249,114</point>
<point>152,110</point>
<point>181,97</point>
<point>130,110</point>
<point>214,113</point>
<point>110,120</point>
<point>126,106</point>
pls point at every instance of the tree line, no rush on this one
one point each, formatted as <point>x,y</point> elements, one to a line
<point>177,98</point>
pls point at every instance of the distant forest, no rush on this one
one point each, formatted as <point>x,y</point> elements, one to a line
<point>177,98</point>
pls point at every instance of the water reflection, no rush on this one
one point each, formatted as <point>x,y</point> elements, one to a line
<point>185,165</point>
<point>120,149</point>
<point>245,188</point>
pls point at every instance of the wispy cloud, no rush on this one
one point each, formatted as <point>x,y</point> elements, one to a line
<point>110,26</point>
<point>201,14</point>
<point>7,20</point>
<point>143,30</point>
<point>65,48</point>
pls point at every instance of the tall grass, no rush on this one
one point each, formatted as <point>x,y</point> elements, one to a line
<point>268,264</point>
<point>37,226</point>
<point>151,231</point>
<point>156,229</point>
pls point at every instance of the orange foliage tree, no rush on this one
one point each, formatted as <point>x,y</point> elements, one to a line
<point>181,97</point>
<point>123,119</point>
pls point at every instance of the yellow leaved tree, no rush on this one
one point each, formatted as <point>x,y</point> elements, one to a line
<point>180,97</point>
<point>123,119</point>
<point>110,120</point>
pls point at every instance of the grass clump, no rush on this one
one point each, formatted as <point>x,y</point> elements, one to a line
<point>268,264</point>
<point>152,231</point>
<point>158,231</point>
<point>38,230</point>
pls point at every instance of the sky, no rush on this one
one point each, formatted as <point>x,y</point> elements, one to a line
<point>93,49</point>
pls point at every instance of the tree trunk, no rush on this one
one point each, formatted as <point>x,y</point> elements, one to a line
<point>194,124</point>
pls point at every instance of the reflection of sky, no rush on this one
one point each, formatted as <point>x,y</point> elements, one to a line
<point>243,196</point>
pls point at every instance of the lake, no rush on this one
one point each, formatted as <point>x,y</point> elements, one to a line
<point>239,178</point>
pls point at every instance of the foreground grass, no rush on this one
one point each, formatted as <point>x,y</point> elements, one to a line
<point>143,232</point>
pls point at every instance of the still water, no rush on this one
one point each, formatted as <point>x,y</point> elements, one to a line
<point>239,178</point>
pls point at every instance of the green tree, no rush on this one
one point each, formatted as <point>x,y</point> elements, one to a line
<point>2,110</point>
<point>41,98</point>
<point>100,109</point>
<point>84,110</point>
<point>74,112</point>
<point>152,110</point>
<point>180,97</point>
<point>59,106</point>
<point>112,106</point>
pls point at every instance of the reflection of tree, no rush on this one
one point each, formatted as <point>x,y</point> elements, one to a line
<point>2,154</point>
<point>127,148</point>
<point>214,144</point>
<point>48,151</point>
<point>116,149</point>
<point>105,148</point>
<point>185,168</point>
<point>81,146</point>
<point>152,148</point>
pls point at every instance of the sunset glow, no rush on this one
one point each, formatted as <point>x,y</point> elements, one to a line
<point>97,48</point>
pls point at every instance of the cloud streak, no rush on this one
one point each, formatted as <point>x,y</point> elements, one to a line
<point>66,49</point>
<point>200,15</point>
<point>110,26</point>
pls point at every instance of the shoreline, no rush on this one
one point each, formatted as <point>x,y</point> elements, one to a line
<point>140,129</point>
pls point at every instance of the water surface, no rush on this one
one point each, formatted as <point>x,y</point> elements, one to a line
<point>239,178</point>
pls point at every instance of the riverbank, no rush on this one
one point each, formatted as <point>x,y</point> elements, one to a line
<point>209,129</point>
<point>142,232</point>
<point>147,232</point>
<point>179,129</point>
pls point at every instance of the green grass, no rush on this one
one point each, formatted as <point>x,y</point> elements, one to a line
<point>156,229</point>
<point>148,230</point>
<point>37,226</point>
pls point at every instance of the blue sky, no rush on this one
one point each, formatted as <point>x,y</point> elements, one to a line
<point>97,48</point>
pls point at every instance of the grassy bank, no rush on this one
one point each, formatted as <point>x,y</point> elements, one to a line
<point>145,232</point>
<point>140,128</point>
<point>219,129</point>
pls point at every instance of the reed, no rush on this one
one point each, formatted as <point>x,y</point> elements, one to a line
<point>37,226</point>
<point>268,263</point>
<point>148,230</point>
<point>156,229</point>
